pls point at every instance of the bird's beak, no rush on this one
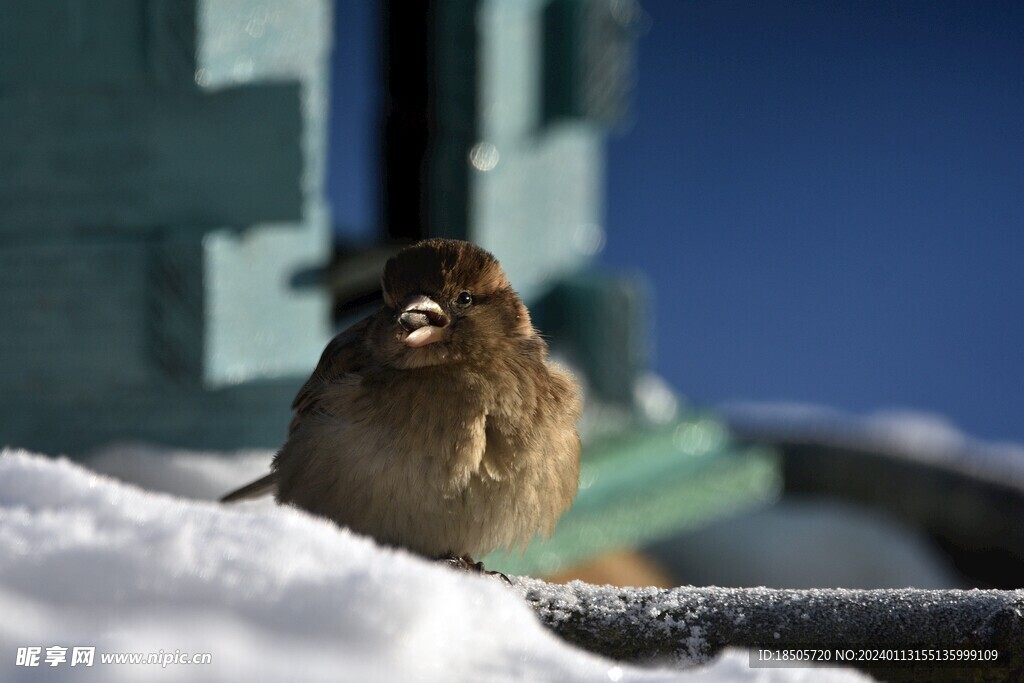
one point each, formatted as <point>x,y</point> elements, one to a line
<point>424,321</point>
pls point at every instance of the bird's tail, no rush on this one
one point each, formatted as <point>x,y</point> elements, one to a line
<point>255,489</point>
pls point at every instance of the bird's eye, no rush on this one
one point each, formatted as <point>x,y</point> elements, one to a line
<point>464,299</point>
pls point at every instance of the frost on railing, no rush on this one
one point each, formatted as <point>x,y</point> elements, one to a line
<point>691,625</point>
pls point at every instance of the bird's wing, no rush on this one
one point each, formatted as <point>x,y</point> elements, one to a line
<point>344,354</point>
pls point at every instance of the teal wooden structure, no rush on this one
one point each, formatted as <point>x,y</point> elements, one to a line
<point>161,188</point>
<point>161,209</point>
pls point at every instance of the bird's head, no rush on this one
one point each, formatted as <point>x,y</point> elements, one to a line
<point>447,301</point>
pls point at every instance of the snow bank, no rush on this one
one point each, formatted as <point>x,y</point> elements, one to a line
<point>270,593</point>
<point>916,435</point>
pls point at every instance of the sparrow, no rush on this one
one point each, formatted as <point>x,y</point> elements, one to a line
<point>436,424</point>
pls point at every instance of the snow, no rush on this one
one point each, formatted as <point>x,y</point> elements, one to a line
<point>914,434</point>
<point>270,592</point>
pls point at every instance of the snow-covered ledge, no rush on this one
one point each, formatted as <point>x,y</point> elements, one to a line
<point>268,592</point>
<point>652,624</point>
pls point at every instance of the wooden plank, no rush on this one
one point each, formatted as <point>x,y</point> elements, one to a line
<point>47,43</point>
<point>89,162</point>
<point>74,319</point>
<point>254,415</point>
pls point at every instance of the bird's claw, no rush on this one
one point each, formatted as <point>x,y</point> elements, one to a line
<point>466,563</point>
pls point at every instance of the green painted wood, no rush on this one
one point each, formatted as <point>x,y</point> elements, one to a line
<point>92,162</point>
<point>112,315</point>
<point>248,42</point>
<point>163,169</point>
<point>74,320</point>
<point>602,323</point>
<point>260,323</point>
<point>588,60</point>
<point>97,43</point>
<point>176,309</point>
<point>253,415</point>
<point>168,43</point>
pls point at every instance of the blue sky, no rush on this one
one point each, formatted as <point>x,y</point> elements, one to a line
<point>827,196</point>
<point>829,199</point>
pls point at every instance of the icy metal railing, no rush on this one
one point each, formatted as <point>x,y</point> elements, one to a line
<point>693,624</point>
